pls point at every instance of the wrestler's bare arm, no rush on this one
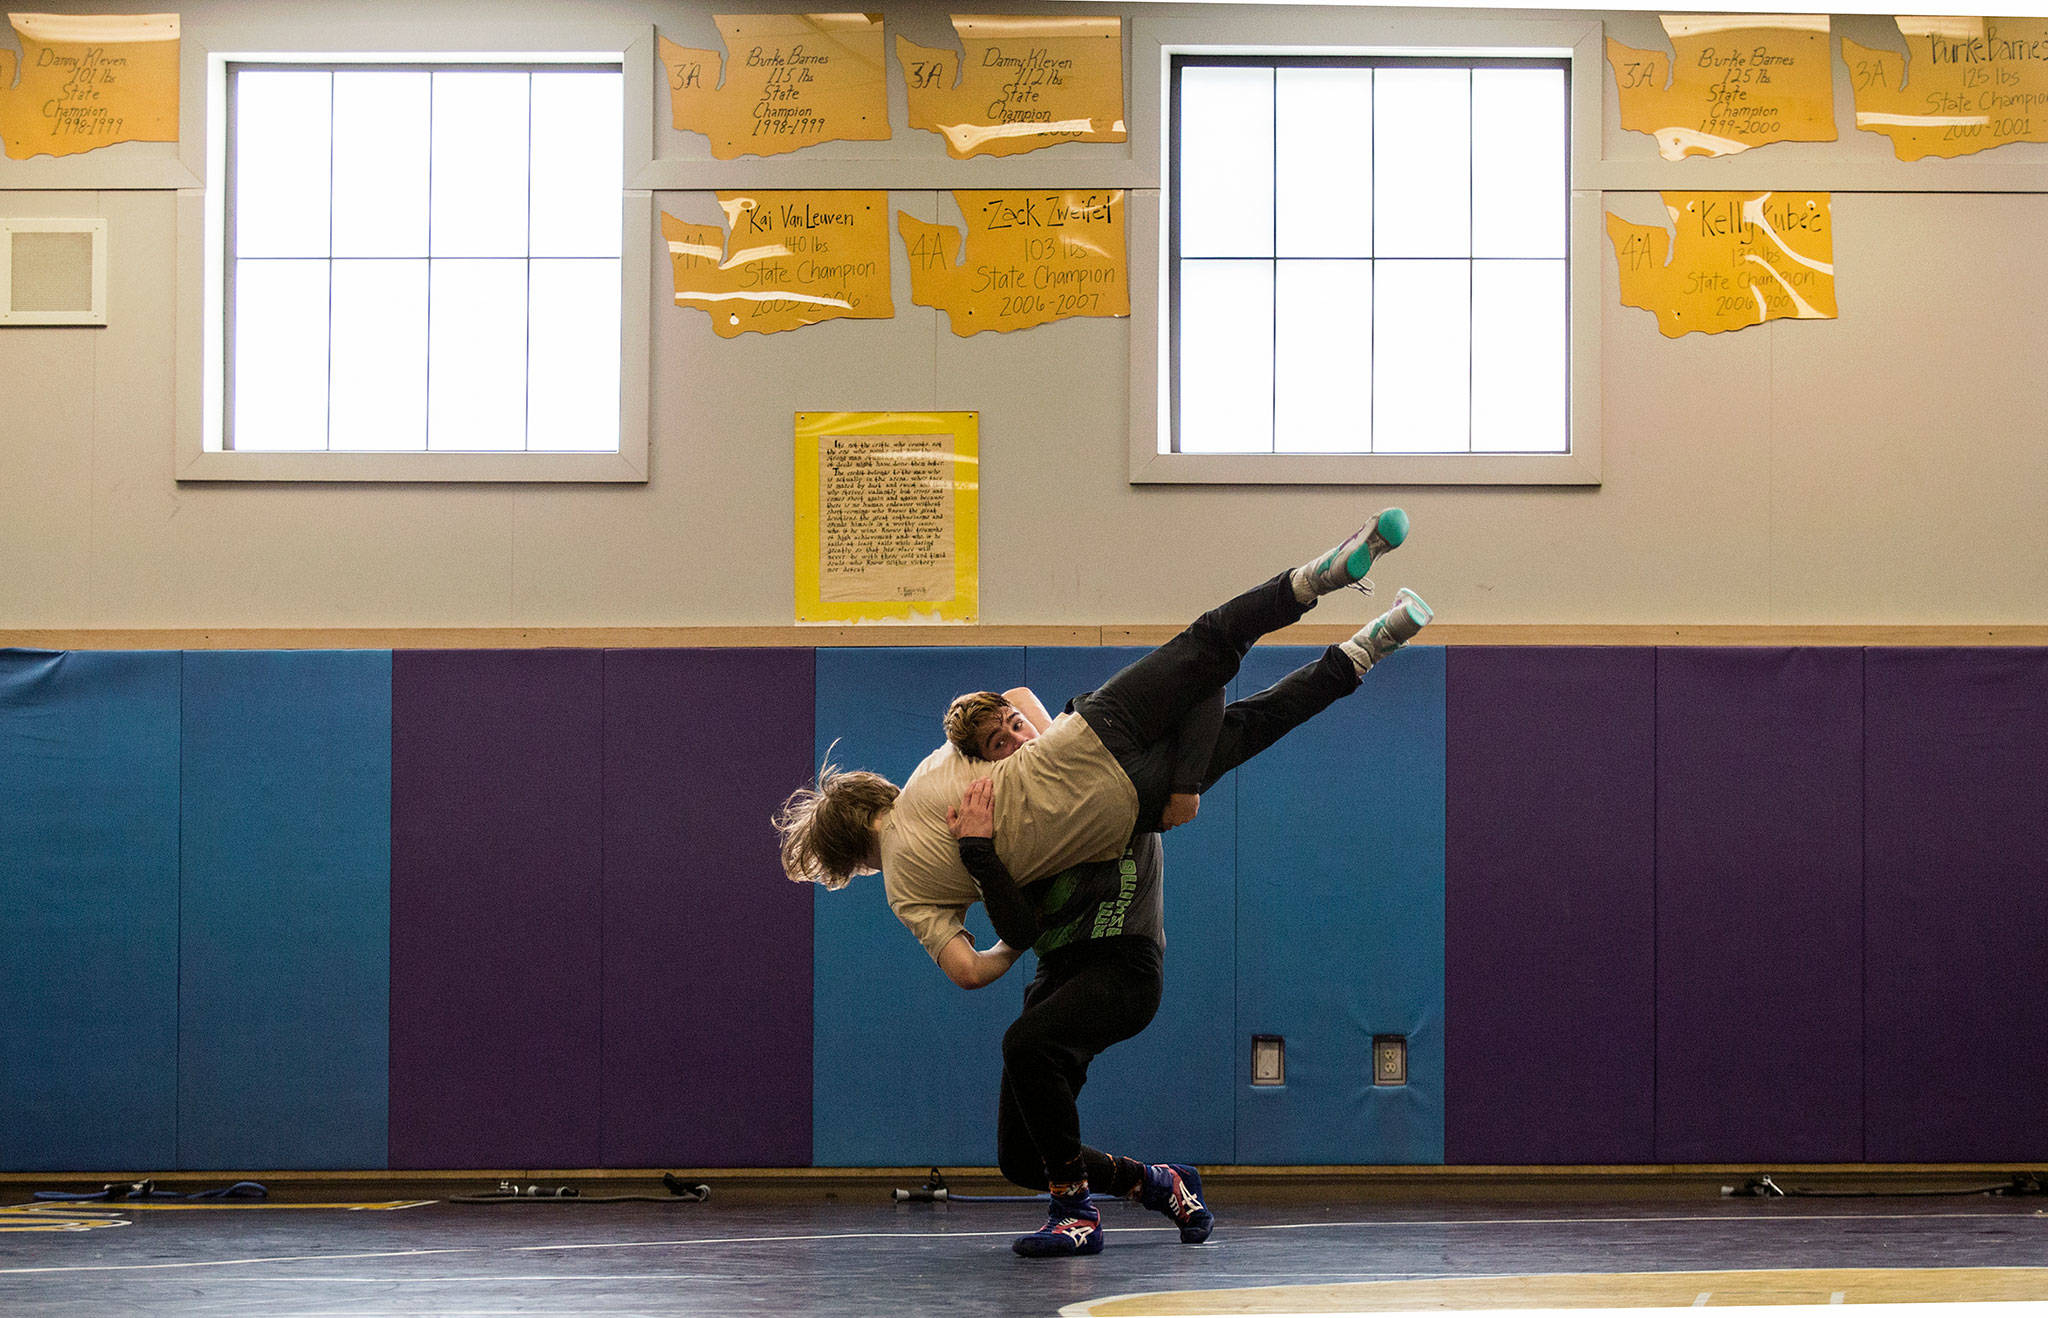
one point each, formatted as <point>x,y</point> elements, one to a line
<point>972,968</point>
<point>1025,702</point>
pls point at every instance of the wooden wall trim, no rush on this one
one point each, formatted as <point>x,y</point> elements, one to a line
<point>533,638</point>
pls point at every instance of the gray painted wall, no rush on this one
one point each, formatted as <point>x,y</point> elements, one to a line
<point>1886,467</point>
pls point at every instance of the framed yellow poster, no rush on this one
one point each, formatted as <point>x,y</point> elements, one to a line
<point>887,517</point>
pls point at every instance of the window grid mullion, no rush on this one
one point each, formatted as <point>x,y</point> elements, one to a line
<point>1273,273</point>
<point>1372,251</point>
<point>1470,260</point>
<point>327,431</point>
<point>427,401</point>
<point>526,347</point>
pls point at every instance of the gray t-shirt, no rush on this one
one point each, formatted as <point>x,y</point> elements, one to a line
<point>1118,897</point>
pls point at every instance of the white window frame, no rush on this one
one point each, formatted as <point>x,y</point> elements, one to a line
<point>1151,376</point>
<point>201,455</point>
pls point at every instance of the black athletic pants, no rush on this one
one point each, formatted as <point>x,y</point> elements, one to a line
<point>1138,712</point>
<point>1084,998</point>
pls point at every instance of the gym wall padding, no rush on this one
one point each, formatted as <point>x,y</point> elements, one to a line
<point>707,947</point>
<point>1550,939</point>
<point>496,849</point>
<point>1167,1093</point>
<point>905,1064</point>
<point>1957,914</point>
<point>1845,854</point>
<point>284,934</point>
<point>89,903</point>
<point>1340,917</point>
<point>1759,905</point>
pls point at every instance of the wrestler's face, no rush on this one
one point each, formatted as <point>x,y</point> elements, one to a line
<point>1010,730</point>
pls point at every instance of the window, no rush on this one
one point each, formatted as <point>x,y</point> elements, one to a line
<point>1369,256</point>
<point>418,260</point>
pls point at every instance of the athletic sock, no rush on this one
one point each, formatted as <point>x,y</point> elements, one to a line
<point>1126,1177</point>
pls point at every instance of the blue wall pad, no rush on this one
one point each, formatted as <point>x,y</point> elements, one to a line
<point>905,1065</point>
<point>1340,918</point>
<point>1759,905</point>
<point>285,966</point>
<point>1166,1095</point>
<point>89,902</point>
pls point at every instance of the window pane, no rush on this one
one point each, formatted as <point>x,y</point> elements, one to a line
<point>282,127</point>
<point>1422,161</point>
<point>380,356</point>
<point>1324,162</point>
<point>477,389</point>
<point>578,150</point>
<point>573,361</point>
<point>1520,331</point>
<point>1323,357</point>
<point>280,366</point>
<point>1422,356</point>
<point>1519,170</point>
<point>380,163</point>
<point>1226,161</point>
<point>480,160</point>
<point>1226,357</point>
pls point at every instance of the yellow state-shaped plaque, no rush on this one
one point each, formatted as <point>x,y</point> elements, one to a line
<point>1732,82</point>
<point>1019,83</point>
<point>787,81</point>
<point>784,260</point>
<point>1738,259</point>
<point>1031,257</point>
<point>1964,85</point>
<point>88,81</point>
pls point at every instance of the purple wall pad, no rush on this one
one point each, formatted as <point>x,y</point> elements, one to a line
<point>707,946</point>
<point>1550,966</point>
<point>1759,905</point>
<point>496,836</point>
<point>1957,829</point>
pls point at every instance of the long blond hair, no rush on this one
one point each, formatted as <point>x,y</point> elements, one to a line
<point>828,828</point>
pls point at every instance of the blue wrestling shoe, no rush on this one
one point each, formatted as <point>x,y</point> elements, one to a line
<point>1347,564</point>
<point>1072,1227</point>
<point>1176,1190</point>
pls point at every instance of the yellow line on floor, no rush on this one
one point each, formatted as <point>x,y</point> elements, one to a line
<point>1597,1290</point>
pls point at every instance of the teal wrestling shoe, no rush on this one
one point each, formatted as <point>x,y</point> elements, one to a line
<point>1347,564</point>
<point>1388,632</point>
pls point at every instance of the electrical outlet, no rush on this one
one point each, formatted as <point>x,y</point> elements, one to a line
<point>1389,1059</point>
<point>1269,1059</point>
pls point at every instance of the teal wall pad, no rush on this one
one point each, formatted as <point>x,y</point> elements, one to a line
<point>1166,1095</point>
<point>905,1064</point>
<point>285,963</point>
<point>89,903</point>
<point>1340,917</point>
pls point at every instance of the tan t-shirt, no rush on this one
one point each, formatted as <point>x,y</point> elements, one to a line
<point>1061,799</point>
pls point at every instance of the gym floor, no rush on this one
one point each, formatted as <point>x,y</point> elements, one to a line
<point>845,1248</point>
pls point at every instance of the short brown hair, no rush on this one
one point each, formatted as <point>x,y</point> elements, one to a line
<point>969,716</point>
<point>827,830</point>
